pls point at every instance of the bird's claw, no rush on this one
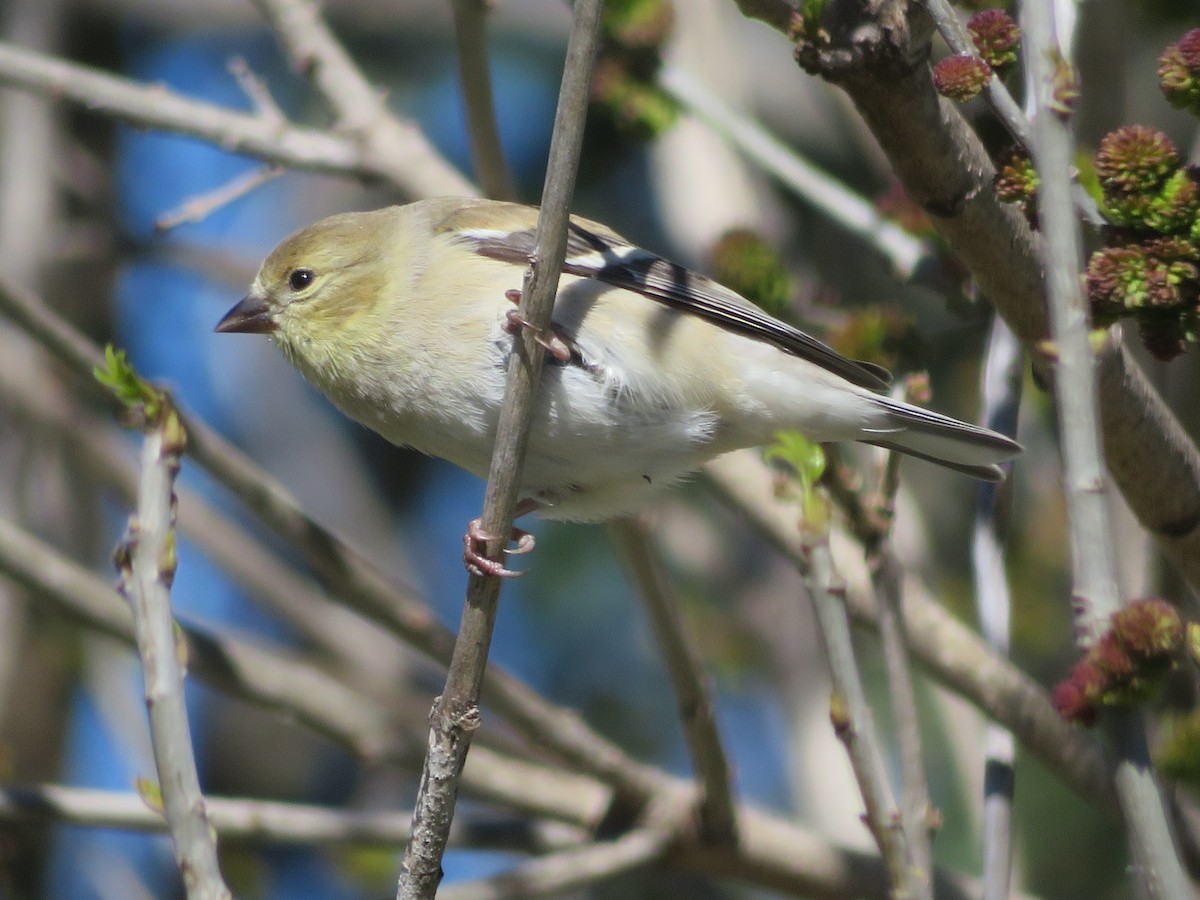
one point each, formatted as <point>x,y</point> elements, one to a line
<point>552,342</point>
<point>474,551</point>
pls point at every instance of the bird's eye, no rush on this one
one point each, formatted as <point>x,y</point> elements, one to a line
<point>301,278</point>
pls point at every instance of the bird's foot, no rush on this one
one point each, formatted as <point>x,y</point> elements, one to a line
<point>549,339</point>
<point>475,556</point>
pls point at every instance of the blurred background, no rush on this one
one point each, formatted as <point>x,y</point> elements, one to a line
<point>81,202</point>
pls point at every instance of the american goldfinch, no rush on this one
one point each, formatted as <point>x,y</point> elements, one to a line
<point>403,315</point>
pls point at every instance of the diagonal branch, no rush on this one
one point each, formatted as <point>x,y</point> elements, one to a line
<point>253,134</point>
<point>821,190</point>
<point>31,397</point>
<point>571,870</point>
<point>388,144</point>
<point>998,97</point>
<point>916,811</point>
<point>635,547</point>
<point>887,585</point>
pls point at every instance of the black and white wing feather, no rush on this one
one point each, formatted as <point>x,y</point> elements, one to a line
<point>594,251</point>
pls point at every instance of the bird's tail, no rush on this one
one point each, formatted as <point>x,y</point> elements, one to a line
<point>940,439</point>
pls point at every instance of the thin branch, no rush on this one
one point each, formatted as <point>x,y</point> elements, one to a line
<point>916,810</point>
<point>388,144</point>
<point>256,90</point>
<point>200,207</point>
<point>1092,560</point>
<point>238,668</point>
<point>773,855</point>
<point>1095,594</point>
<point>1001,392</point>
<point>253,134</point>
<point>871,523</point>
<point>475,79</point>
<point>998,96</point>
<point>456,713</point>
<point>147,565</point>
<point>820,189</point>
<point>570,870</point>
<point>636,549</point>
<point>270,822</point>
<point>853,722</point>
<point>950,652</point>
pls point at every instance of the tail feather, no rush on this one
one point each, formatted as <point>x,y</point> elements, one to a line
<point>948,442</point>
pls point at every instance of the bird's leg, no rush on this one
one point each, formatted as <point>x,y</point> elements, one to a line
<point>476,539</point>
<point>551,339</point>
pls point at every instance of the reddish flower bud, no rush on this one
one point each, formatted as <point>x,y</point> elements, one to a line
<point>961,77</point>
<point>1135,159</point>
<point>1148,628</point>
<point>996,37</point>
<point>1179,72</point>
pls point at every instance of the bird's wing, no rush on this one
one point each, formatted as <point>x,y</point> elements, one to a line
<point>595,251</point>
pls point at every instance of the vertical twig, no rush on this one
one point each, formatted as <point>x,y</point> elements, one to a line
<point>887,576</point>
<point>1095,585</point>
<point>1001,404</point>
<point>636,549</point>
<point>487,153</point>
<point>1094,577</point>
<point>146,560</point>
<point>456,713</point>
<point>854,725</point>
<point>915,809</point>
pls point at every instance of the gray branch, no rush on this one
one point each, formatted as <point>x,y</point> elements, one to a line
<point>147,564</point>
<point>854,723</point>
<point>253,134</point>
<point>388,144</point>
<point>475,79</point>
<point>1095,595</point>
<point>635,547</point>
<point>271,822</point>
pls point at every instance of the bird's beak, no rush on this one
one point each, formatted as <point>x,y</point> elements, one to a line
<point>251,316</point>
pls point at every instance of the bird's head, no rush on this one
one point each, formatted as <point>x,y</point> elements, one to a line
<point>320,284</point>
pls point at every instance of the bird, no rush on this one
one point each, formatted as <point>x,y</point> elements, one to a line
<point>403,316</point>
